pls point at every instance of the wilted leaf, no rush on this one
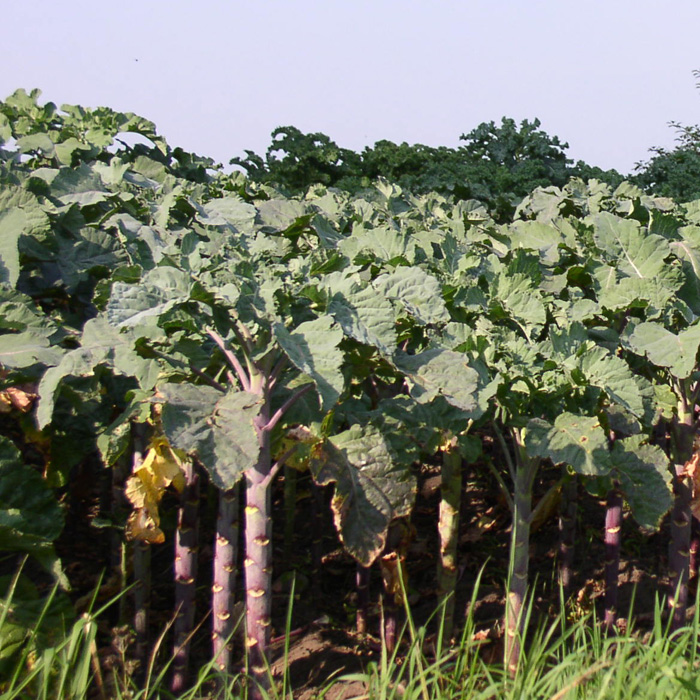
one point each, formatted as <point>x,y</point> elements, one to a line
<point>371,488</point>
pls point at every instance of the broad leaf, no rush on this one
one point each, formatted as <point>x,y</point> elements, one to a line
<point>312,348</point>
<point>371,488</point>
<point>439,372</point>
<point>666,349</point>
<point>644,479</point>
<point>30,517</point>
<point>578,441</point>
<point>217,428</point>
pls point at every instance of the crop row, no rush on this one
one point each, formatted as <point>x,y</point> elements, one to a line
<point>175,318</point>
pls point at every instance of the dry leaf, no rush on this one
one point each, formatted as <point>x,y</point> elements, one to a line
<point>393,570</point>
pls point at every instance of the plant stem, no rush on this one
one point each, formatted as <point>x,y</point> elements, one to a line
<point>525,470</point>
<point>448,530</point>
<point>142,563</point>
<point>258,560</point>
<point>186,546</point>
<point>362,578</point>
<point>613,539</point>
<point>290,504</point>
<point>317,506</point>
<point>224,586</point>
<point>567,530</point>
<point>679,551</point>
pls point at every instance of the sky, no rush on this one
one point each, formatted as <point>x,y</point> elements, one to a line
<point>217,76</point>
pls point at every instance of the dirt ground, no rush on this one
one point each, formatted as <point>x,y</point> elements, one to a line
<point>323,643</point>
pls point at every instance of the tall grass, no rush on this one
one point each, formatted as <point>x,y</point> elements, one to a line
<point>561,660</point>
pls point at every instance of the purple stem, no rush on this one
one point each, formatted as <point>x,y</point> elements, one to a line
<point>224,587</point>
<point>142,565</point>
<point>567,530</point>
<point>362,577</point>
<point>613,539</point>
<point>681,516</point>
<point>186,546</point>
<point>258,560</point>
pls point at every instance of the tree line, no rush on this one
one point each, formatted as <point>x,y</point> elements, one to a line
<point>497,164</point>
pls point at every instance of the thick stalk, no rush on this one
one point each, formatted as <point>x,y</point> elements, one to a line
<point>525,470</point>
<point>448,530</point>
<point>362,577</point>
<point>567,530</point>
<point>679,551</point>
<point>393,569</point>
<point>224,586</point>
<point>694,549</point>
<point>290,504</point>
<point>118,507</point>
<point>186,546</point>
<point>142,564</point>
<point>258,561</point>
<point>613,539</point>
<point>317,509</point>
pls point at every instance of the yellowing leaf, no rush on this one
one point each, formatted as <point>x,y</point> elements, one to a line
<point>163,465</point>
<point>141,526</point>
<point>160,468</point>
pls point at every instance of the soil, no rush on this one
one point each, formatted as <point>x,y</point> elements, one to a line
<point>323,644</point>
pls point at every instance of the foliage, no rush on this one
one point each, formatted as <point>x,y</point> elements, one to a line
<point>498,165</point>
<point>139,286</point>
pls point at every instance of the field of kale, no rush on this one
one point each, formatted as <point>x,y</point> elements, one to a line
<point>265,430</point>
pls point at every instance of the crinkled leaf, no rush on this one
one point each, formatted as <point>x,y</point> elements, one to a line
<point>439,372</point>
<point>24,349</point>
<point>217,428</point>
<point>30,517</point>
<point>517,296</point>
<point>578,441</point>
<point>159,291</point>
<point>362,313</point>
<point>101,344</point>
<point>371,488</point>
<point>312,348</point>
<point>638,253</point>
<point>644,478</point>
<point>418,292</point>
<point>613,375</point>
<point>666,349</point>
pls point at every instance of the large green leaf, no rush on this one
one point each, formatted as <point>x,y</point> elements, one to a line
<point>24,349</point>
<point>159,291</point>
<point>101,344</point>
<point>20,213</point>
<point>638,254</point>
<point>644,479</point>
<point>439,372</point>
<point>30,517</point>
<point>516,294</point>
<point>312,348</point>
<point>371,488</point>
<point>613,375</point>
<point>217,428</point>
<point>362,313</point>
<point>578,441</point>
<point>417,291</point>
<point>666,349</point>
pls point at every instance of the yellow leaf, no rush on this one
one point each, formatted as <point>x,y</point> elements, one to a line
<point>140,526</point>
<point>164,466</point>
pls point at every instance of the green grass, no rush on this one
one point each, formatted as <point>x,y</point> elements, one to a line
<point>561,661</point>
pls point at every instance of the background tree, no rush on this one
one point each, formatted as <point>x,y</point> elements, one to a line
<point>497,165</point>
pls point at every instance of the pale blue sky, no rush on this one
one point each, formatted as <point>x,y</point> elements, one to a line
<point>217,76</point>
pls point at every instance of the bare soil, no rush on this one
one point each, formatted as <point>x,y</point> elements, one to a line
<point>323,644</point>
